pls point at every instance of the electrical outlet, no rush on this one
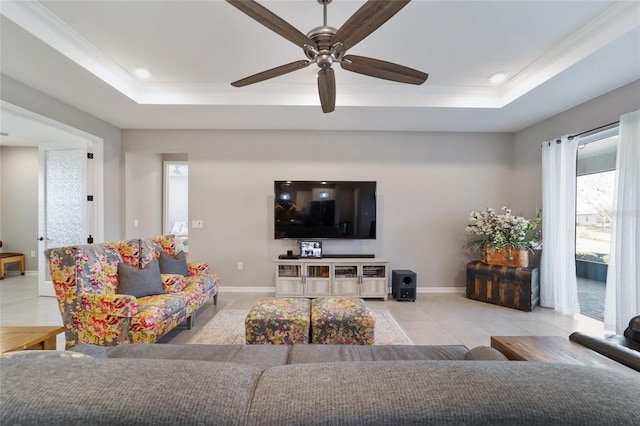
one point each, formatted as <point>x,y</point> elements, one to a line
<point>240,266</point>
<point>33,253</point>
<point>197,224</point>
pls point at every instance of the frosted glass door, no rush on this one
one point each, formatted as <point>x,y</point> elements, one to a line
<point>63,205</point>
<point>65,208</point>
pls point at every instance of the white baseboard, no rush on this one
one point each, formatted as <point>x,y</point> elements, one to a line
<point>16,272</point>
<point>238,289</point>
<point>254,289</point>
<point>441,289</point>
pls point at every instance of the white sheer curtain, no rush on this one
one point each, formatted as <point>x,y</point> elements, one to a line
<point>623,276</point>
<point>558,286</point>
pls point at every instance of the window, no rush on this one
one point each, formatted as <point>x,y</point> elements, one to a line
<point>594,208</point>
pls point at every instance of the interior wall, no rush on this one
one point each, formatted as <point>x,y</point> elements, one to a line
<point>1,196</point>
<point>527,155</point>
<point>19,199</point>
<point>143,195</point>
<point>28,98</point>
<point>428,183</point>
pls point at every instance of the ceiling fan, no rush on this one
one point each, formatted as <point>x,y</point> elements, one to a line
<point>326,45</point>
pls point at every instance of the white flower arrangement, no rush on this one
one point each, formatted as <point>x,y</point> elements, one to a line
<point>496,231</point>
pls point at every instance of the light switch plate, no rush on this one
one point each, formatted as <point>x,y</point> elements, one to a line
<point>197,224</point>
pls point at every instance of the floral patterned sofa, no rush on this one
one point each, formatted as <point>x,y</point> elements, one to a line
<point>86,280</point>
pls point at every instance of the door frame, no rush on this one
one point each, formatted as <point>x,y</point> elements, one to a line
<point>95,185</point>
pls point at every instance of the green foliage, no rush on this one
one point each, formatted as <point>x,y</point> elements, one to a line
<point>497,231</point>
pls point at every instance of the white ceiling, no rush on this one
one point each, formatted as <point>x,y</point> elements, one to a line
<point>556,54</point>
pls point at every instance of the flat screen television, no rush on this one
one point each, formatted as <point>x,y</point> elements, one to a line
<point>325,209</point>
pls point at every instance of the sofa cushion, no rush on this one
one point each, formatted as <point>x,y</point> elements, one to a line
<point>173,264</point>
<point>97,268</point>
<point>157,315</point>
<point>444,393</point>
<point>337,353</point>
<point>139,282</point>
<point>129,251</point>
<point>35,354</point>
<point>97,391</point>
<point>261,356</point>
<point>94,351</point>
<point>173,283</point>
<point>151,247</point>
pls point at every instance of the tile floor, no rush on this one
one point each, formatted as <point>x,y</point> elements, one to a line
<point>435,318</point>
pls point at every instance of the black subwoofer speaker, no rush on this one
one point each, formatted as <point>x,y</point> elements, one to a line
<point>403,285</point>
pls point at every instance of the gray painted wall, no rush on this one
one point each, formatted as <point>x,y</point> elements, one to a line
<point>527,155</point>
<point>19,201</point>
<point>143,196</point>
<point>428,183</point>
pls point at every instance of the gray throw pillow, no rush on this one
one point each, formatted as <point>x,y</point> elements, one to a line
<point>485,353</point>
<point>173,265</point>
<point>139,282</point>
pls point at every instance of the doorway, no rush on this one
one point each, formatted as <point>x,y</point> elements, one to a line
<point>176,201</point>
<point>65,178</point>
<point>594,208</point>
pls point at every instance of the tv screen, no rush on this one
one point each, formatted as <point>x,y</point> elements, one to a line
<point>325,209</point>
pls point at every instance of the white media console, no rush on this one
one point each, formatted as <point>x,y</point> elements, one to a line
<point>360,277</point>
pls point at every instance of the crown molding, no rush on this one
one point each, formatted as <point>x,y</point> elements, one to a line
<point>40,22</point>
<point>617,20</point>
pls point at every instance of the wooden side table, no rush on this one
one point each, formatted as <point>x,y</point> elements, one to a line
<point>28,338</point>
<point>553,349</point>
<point>11,258</point>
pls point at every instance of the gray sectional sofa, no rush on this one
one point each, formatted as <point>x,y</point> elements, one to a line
<point>623,348</point>
<point>149,384</point>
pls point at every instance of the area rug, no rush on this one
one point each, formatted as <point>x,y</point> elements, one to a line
<point>227,328</point>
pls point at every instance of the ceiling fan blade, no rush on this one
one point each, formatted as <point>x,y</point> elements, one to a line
<point>366,20</point>
<point>273,72</point>
<point>272,21</point>
<point>383,69</point>
<point>327,89</point>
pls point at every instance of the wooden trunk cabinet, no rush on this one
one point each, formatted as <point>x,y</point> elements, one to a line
<point>517,288</point>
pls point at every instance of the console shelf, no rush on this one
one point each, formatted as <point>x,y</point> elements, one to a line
<point>358,277</point>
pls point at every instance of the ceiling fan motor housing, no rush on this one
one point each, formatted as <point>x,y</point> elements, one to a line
<point>322,37</point>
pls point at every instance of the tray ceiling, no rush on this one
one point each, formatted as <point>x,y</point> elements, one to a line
<point>555,54</point>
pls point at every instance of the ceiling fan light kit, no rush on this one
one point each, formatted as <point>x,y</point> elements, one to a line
<point>326,45</point>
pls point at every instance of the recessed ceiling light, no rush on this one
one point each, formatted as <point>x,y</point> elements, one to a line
<point>142,73</point>
<point>498,78</point>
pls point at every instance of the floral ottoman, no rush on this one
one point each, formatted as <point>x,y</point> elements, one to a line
<point>278,321</point>
<point>341,321</point>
